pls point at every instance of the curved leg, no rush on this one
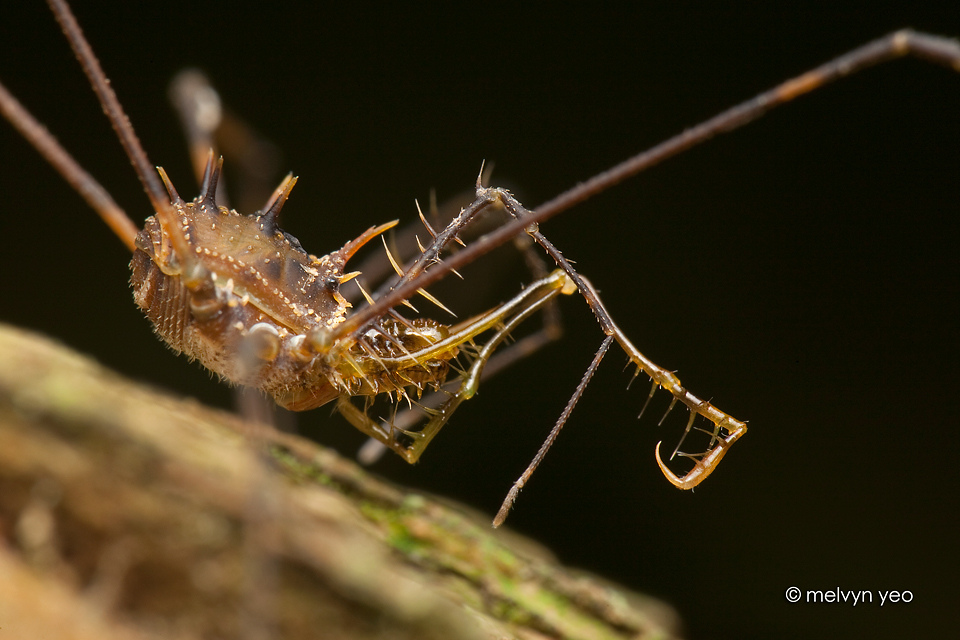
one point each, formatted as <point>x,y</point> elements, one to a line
<point>659,376</point>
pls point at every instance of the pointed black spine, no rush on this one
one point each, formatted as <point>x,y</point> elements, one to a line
<point>211,177</point>
<point>271,214</point>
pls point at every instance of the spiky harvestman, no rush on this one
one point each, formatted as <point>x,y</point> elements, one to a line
<point>731,433</point>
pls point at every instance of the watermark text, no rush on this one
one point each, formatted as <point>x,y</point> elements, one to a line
<point>851,597</point>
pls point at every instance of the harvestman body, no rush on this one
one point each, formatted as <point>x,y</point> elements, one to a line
<point>244,298</point>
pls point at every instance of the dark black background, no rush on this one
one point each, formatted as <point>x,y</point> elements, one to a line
<point>802,273</point>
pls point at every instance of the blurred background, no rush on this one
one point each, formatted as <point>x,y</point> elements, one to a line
<point>801,273</point>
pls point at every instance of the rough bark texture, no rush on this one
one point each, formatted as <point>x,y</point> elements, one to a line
<point>125,513</point>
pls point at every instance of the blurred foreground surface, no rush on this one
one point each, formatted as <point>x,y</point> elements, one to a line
<point>125,513</point>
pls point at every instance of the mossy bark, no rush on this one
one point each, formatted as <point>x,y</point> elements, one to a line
<point>125,513</point>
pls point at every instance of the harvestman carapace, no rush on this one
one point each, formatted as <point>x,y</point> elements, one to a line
<point>241,296</point>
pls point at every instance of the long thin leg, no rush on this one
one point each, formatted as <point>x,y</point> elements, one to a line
<point>208,124</point>
<point>895,45</point>
<point>201,112</point>
<point>118,118</point>
<point>161,195</point>
<point>85,184</point>
<point>562,420</point>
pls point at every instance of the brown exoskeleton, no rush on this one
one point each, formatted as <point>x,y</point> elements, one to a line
<point>243,297</point>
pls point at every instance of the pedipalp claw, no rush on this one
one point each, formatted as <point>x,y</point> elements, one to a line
<point>705,465</point>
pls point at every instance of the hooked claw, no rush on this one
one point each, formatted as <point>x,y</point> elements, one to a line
<point>705,465</point>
